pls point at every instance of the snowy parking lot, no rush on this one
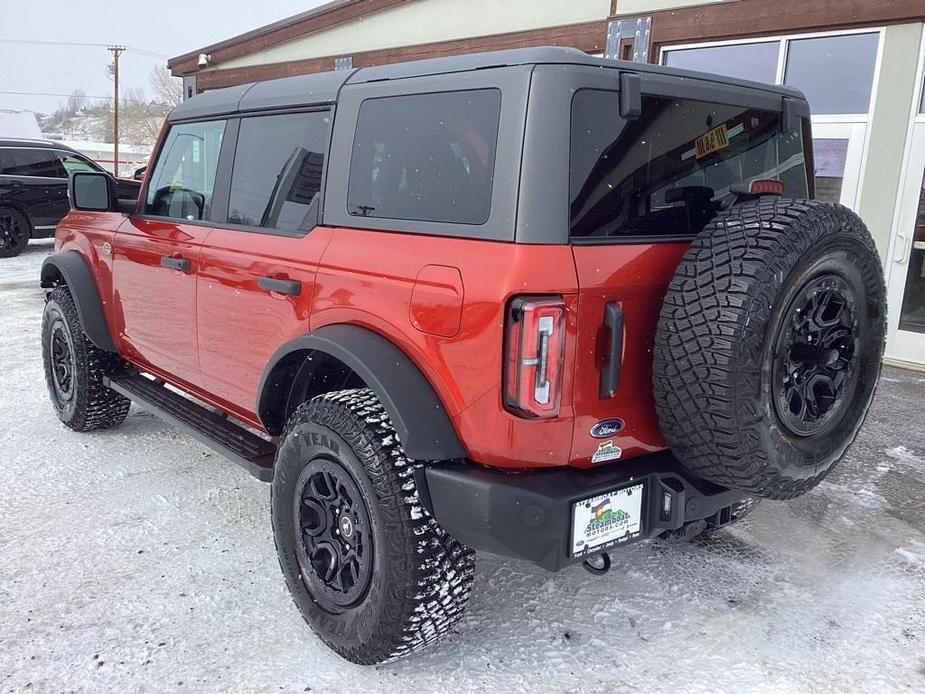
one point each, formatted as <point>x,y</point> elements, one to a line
<point>137,560</point>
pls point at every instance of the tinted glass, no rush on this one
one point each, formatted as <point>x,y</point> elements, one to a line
<point>829,157</point>
<point>835,72</point>
<point>277,169</point>
<point>427,157</point>
<point>912,313</point>
<point>30,161</point>
<point>184,175</point>
<point>74,162</point>
<point>664,173</point>
<point>749,61</point>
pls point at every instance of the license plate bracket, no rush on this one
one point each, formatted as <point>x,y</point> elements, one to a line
<point>606,520</point>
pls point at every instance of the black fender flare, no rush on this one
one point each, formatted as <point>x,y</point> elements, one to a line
<point>417,413</point>
<point>72,269</point>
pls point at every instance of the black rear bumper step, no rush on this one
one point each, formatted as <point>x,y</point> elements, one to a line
<point>215,430</point>
<point>529,515</point>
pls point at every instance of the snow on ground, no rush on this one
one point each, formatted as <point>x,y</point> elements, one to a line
<point>136,560</point>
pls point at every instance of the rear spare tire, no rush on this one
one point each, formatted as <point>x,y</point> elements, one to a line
<point>769,345</point>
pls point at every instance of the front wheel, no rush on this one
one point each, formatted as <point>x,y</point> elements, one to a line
<point>75,367</point>
<point>368,567</point>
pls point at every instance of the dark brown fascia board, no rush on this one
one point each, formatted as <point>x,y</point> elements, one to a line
<point>314,20</point>
<point>748,18</point>
<point>590,37</point>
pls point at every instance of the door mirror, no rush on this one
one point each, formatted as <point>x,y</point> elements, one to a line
<point>91,191</point>
<point>139,173</point>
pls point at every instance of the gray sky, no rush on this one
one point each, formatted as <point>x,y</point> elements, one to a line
<point>165,27</point>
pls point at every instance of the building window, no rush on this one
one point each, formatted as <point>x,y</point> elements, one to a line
<point>749,61</point>
<point>835,72</point>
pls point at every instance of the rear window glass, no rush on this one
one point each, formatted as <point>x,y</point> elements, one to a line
<point>663,174</point>
<point>425,157</point>
<point>30,161</point>
<point>277,170</point>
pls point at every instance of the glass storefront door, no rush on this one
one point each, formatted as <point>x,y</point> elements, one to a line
<point>907,262</point>
<point>837,152</point>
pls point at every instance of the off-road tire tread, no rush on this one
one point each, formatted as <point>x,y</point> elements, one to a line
<point>708,352</point>
<point>98,407</point>
<point>430,590</point>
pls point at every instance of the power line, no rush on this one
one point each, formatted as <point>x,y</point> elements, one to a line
<point>141,51</point>
<point>82,96</point>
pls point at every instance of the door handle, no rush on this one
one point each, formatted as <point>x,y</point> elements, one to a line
<point>280,286</point>
<point>899,250</point>
<point>181,264</point>
<point>610,370</point>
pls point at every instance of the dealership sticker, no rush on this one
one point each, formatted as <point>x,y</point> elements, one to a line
<point>606,451</point>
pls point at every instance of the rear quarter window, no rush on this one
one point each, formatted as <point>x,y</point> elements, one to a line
<point>425,157</point>
<point>664,174</point>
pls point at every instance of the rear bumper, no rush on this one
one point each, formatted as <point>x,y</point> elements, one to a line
<point>529,515</point>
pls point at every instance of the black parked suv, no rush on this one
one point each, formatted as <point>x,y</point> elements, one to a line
<point>33,189</point>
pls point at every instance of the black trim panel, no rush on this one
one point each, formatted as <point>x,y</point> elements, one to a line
<point>418,415</point>
<point>528,515</point>
<point>76,273</point>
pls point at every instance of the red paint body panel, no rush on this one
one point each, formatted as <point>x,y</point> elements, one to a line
<point>239,324</point>
<point>366,278</point>
<point>636,277</point>
<point>441,300</point>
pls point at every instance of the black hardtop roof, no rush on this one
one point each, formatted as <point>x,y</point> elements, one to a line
<point>322,88</point>
<point>38,144</point>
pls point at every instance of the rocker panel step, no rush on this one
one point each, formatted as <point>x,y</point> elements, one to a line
<point>218,432</point>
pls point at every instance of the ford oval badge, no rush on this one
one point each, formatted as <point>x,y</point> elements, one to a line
<point>606,427</point>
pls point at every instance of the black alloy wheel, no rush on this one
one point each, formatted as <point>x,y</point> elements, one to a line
<point>63,365</point>
<point>336,550</point>
<point>816,350</point>
<point>14,232</point>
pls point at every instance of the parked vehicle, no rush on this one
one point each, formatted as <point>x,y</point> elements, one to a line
<point>532,303</point>
<point>33,189</point>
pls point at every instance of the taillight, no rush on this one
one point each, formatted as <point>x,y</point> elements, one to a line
<point>534,354</point>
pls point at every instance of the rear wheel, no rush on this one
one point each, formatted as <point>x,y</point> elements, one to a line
<point>769,345</point>
<point>75,367</point>
<point>15,231</point>
<point>368,567</point>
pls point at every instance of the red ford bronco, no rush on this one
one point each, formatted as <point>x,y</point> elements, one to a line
<point>530,302</point>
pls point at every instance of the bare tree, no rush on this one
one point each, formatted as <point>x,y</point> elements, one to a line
<point>167,89</point>
<point>76,101</point>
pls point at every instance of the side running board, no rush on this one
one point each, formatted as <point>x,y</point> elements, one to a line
<point>215,430</point>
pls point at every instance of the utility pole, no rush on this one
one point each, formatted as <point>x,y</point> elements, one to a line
<point>116,52</point>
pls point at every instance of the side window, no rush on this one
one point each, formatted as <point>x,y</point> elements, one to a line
<point>184,175</point>
<point>663,174</point>
<point>31,161</point>
<point>425,157</point>
<point>277,170</point>
<point>74,162</point>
